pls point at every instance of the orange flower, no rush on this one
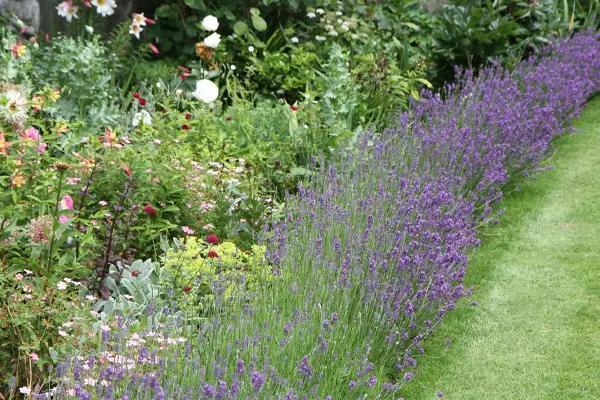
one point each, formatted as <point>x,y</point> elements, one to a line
<point>18,50</point>
<point>4,145</point>
<point>109,138</point>
<point>17,180</point>
<point>203,51</point>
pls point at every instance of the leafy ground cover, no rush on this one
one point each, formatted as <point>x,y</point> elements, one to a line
<point>530,328</point>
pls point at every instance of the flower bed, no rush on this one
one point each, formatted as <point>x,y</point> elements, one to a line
<point>373,253</point>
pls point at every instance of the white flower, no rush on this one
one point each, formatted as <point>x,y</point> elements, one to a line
<point>210,23</point>
<point>144,117</point>
<point>339,13</point>
<point>105,7</point>
<point>89,28</point>
<point>67,10</point>
<point>14,108</point>
<point>294,39</point>
<point>138,19</point>
<point>320,11</point>
<point>319,38</point>
<point>178,92</point>
<point>213,40</point>
<point>332,32</point>
<point>135,30</point>
<point>90,297</point>
<point>251,49</point>
<point>311,15</point>
<point>89,382</point>
<point>206,91</point>
<point>61,285</point>
<point>24,390</point>
<point>156,141</point>
<point>63,333</point>
<point>233,67</point>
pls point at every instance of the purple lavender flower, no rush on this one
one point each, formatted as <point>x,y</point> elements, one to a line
<point>257,379</point>
<point>304,368</point>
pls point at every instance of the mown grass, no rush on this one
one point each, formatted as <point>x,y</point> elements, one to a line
<point>531,330</point>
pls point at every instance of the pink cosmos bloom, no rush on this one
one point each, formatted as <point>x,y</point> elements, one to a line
<point>66,203</point>
<point>19,277</point>
<point>34,357</point>
<point>42,147</point>
<point>187,230</point>
<point>32,134</point>
<point>73,181</point>
<point>63,219</point>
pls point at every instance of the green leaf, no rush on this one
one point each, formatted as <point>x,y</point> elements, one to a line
<point>255,12</point>
<point>195,4</point>
<point>240,28</point>
<point>259,23</point>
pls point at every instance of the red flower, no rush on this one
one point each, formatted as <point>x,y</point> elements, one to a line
<point>184,75</point>
<point>142,101</point>
<point>212,239</point>
<point>212,254</point>
<point>187,289</point>
<point>136,95</point>
<point>188,116</point>
<point>149,21</point>
<point>185,127</point>
<point>135,273</point>
<point>294,108</point>
<point>184,68</point>
<point>149,210</point>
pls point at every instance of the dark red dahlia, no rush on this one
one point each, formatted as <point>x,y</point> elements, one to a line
<point>149,210</point>
<point>187,289</point>
<point>212,239</point>
<point>212,254</point>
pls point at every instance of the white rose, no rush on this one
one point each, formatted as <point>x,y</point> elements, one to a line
<point>206,91</point>
<point>210,23</point>
<point>213,40</point>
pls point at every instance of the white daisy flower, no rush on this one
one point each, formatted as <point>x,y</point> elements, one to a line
<point>105,7</point>
<point>294,40</point>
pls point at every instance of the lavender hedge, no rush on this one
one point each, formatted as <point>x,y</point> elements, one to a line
<point>373,253</point>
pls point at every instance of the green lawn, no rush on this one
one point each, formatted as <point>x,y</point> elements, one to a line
<point>531,330</point>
